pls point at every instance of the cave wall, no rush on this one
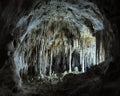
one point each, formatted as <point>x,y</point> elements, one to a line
<point>10,12</point>
<point>110,8</point>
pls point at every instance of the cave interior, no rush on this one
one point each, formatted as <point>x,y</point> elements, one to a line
<point>59,48</point>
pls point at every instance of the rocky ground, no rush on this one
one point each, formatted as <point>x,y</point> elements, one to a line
<point>97,81</point>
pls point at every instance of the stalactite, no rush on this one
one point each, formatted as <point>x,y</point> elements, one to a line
<point>40,64</point>
<point>70,56</point>
<point>83,65</point>
<point>51,61</point>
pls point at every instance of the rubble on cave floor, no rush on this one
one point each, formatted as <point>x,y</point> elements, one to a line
<point>89,83</point>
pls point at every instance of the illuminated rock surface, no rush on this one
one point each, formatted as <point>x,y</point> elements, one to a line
<point>58,37</point>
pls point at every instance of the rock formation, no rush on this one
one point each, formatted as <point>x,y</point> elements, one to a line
<point>53,38</point>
